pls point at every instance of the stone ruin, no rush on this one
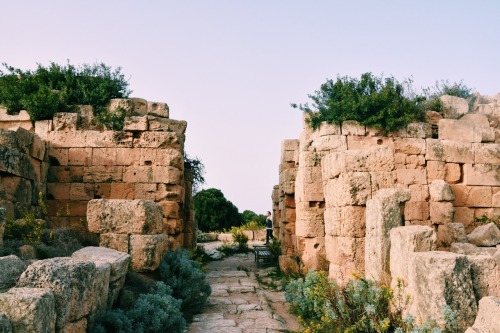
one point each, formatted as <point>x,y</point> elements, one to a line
<point>128,186</point>
<point>352,201</point>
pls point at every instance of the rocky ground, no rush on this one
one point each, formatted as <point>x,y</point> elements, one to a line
<point>241,300</point>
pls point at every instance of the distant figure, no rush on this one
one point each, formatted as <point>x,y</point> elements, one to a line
<point>269,227</point>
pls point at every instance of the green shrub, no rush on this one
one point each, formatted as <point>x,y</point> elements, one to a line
<point>186,279</point>
<point>113,120</point>
<point>359,306</point>
<point>114,321</point>
<point>373,101</point>
<point>57,88</point>
<point>240,238</point>
<point>28,229</point>
<point>486,220</point>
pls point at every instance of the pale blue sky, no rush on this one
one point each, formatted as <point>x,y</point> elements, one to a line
<point>232,68</point>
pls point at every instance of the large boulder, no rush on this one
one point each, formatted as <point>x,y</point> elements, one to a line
<point>436,279</point>
<point>382,214</point>
<point>124,216</point>
<point>485,275</point>
<point>11,268</point>
<point>72,282</point>
<point>29,309</point>
<point>485,235</point>
<point>488,316</point>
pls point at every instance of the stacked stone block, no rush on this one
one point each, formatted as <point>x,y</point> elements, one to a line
<point>23,169</point>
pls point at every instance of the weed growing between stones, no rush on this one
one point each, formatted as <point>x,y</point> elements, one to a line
<point>361,305</point>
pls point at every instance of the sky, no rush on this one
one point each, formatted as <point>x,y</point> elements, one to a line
<point>231,68</point>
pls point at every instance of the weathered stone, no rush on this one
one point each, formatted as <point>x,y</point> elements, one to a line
<point>347,254</point>
<point>289,264</point>
<point>123,103</point>
<point>472,196</point>
<point>71,282</point>
<point>147,251</point>
<point>114,291</point>
<point>348,221</point>
<point>440,191</point>
<point>485,275</point>
<point>135,123</point>
<point>435,170</point>
<point>79,326</point>
<point>352,127</point>
<point>167,125</point>
<point>488,316</point>
<point>416,210</point>
<point>382,214</point>
<point>410,146</point>
<point>11,268</point>
<point>452,173</point>
<point>456,105</point>
<point>310,222</point>
<point>356,142</point>
<point>450,233</point>
<point>419,192</point>
<point>29,309</point>
<point>436,279</point>
<point>441,212</point>
<point>65,121</point>
<point>403,242</point>
<point>380,180</point>
<point>352,188</point>
<point>416,130</point>
<point>449,151</point>
<point>330,143</point>
<point>411,176</point>
<point>124,216</point>
<point>485,235</point>
<point>458,130</point>
<point>119,261</point>
<point>16,163</point>
<point>487,153</point>
<point>158,140</point>
<point>158,109</point>
<point>433,117</point>
<point>101,174</point>
<point>482,174</point>
<point>471,249</point>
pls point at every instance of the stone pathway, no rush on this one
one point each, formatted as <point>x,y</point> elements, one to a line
<point>239,303</point>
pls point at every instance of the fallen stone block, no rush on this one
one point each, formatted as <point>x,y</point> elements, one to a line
<point>488,316</point>
<point>119,261</point>
<point>439,190</point>
<point>146,251</point>
<point>124,216</point>
<point>485,275</point>
<point>485,235</point>
<point>471,249</point>
<point>450,233</point>
<point>118,242</point>
<point>29,309</point>
<point>11,268</point>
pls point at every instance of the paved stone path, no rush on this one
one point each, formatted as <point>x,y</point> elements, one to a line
<point>239,303</point>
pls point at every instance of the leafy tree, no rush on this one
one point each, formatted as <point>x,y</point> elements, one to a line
<point>373,101</point>
<point>214,212</point>
<point>56,88</point>
<point>249,216</point>
<point>195,168</point>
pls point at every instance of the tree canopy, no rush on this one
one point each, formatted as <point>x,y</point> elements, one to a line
<point>249,216</point>
<point>214,212</point>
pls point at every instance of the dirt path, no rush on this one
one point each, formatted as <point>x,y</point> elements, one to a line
<point>239,303</point>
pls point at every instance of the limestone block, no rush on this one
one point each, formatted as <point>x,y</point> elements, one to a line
<point>289,264</point>
<point>439,190</point>
<point>15,163</point>
<point>11,268</point>
<point>103,156</point>
<point>38,148</point>
<point>382,214</point>
<point>371,159</point>
<point>328,129</point>
<point>168,157</point>
<point>411,176</point>
<point>453,173</point>
<point>471,249</point>
<point>441,278</point>
<point>118,242</point>
<point>348,256</point>
<point>356,142</point>
<point>464,215</point>
<point>310,222</point>
<point>140,106</point>
<point>433,117</point>
<point>450,233</point>
<point>124,216</point>
<point>495,200</point>
<point>65,121</point>
<point>80,156</point>
<point>119,261</point>
<point>158,109</point>
<point>485,235</point>
<point>167,125</point>
<point>147,251</point>
<point>70,280</point>
<point>79,191</point>
<point>485,275</point>
<point>67,139</point>
<point>127,156</point>
<point>352,127</point>
<point>403,242</point>
<point>472,196</point>
<point>458,106</point>
<point>417,130</point>
<point>313,253</point>
<point>114,291</point>
<point>290,145</point>
<point>348,221</point>
<point>352,188</point>
<point>488,316</point>
<point>410,146</point>
<point>487,153</point>
<point>123,103</point>
<point>29,309</point>
<point>419,192</point>
<point>480,119</point>
<point>458,130</point>
<point>417,210</point>
<point>381,180</point>
<point>135,123</point>
<point>108,139</point>
<point>449,151</point>
<point>101,174</point>
<point>482,174</point>
<point>330,143</point>
<point>159,140</point>
<point>122,191</point>
<point>441,212</point>
<point>435,170</point>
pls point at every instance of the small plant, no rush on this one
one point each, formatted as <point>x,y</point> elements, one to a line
<point>486,220</point>
<point>110,120</point>
<point>227,248</point>
<point>240,238</point>
<point>199,255</point>
<point>186,279</point>
<point>27,229</point>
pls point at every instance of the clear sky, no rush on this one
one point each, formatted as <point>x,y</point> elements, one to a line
<point>231,68</point>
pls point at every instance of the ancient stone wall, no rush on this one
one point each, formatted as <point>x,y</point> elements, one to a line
<point>143,161</point>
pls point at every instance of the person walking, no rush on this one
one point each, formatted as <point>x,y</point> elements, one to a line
<point>269,227</point>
